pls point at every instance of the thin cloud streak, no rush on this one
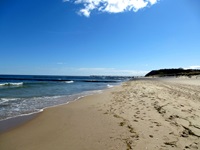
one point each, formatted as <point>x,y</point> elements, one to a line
<point>112,71</point>
<point>193,67</point>
<point>111,6</point>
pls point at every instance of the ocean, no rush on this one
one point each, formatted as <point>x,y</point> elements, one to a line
<point>26,94</point>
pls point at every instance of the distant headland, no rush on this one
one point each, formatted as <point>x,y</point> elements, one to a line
<point>173,72</point>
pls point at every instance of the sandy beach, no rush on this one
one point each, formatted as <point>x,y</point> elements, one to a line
<point>154,114</point>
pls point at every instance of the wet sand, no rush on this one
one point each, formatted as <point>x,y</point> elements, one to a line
<point>154,114</point>
<point>8,124</point>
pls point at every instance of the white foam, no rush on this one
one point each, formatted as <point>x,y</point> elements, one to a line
<point>110,86</point>
<point>4,100</point>
<point>11,84</point>
<point>17,84</point>
<point>69,81</point>
<point>10,99</point>
<point>3,84</point>
<point>46,97</point>
<point>36,112</point>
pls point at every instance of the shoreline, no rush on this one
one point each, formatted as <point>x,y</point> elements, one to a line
<point>71,98</point>
<point>36,95</point>
<point>139,114</point>
<point>14,122</point>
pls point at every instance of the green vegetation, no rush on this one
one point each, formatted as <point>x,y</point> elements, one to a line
<point>173,72</point>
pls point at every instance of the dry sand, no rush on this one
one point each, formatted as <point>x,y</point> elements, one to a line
<point>154,114</point>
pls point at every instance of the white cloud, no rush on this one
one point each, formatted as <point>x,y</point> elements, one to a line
<point>194,67</point>
<point>153,1</point>
<point>61,63</point>
<point>111,6</point>
<point>111,71</point>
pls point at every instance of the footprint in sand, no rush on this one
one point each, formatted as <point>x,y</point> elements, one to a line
<point>138,112</point>
<point>194,145</point>
<point>136,116</point>
<point>151,136</point>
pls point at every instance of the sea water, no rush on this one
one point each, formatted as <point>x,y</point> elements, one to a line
<point>27,94</point>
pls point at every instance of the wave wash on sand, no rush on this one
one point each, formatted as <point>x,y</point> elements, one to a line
<point>143,114</point>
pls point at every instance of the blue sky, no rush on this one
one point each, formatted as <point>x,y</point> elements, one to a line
<point>103,37</point>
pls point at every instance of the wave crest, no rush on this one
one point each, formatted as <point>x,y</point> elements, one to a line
<point>11,84</point>
<point>69,81</point>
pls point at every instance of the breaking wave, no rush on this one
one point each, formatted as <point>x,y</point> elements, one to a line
<point>69,81</point>
<point>12,84</point>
